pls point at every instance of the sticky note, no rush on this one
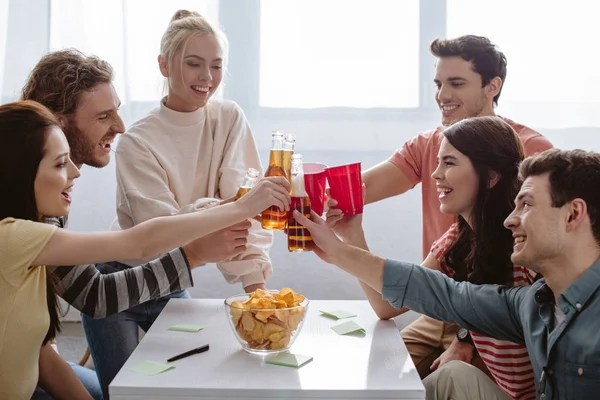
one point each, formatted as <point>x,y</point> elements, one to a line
<point>338,314</point>
<point>288,360</point>
<point>348,327</point>
<point>186,327</point>
<point>151,368</point>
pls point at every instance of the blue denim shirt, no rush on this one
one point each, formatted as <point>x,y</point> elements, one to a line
<point>565,358</point>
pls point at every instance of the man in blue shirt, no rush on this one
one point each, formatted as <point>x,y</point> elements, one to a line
<point>556,226</point>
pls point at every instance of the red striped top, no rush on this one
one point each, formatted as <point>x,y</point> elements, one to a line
<point>508,362</point>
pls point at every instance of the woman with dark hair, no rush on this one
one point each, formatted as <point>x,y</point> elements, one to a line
<point>38,175</point>
<point>477,180</point>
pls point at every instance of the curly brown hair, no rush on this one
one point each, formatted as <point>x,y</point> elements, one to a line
<point>61,76</point>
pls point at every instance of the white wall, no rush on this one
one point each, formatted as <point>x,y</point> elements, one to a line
<point>32,45</point>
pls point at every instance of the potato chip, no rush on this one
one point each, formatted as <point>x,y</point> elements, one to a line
<point>236,311</point>
<point>248,321</point>
<point>263,315</point>
<point>267,321</point>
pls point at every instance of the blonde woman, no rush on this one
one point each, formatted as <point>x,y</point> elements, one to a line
<point>186,155</point>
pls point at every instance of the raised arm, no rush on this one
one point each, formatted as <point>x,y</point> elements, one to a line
<point>253,266</point>
<point>400,172</point>
<point>160,234</point>
<point>351,231</point>
<point>486,309</point>
<point>143,190</point>
<point>385,180</point>
<point>99,295</point>
<point>355,237</point>
<point>490,310</point>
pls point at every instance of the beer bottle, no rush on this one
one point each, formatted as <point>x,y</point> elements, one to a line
<point>299,238</point>
<point>289,141</point>
<point>273,218</point>
<point>248,183</point>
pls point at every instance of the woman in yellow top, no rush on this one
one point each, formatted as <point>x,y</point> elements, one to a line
<point>37,176</point>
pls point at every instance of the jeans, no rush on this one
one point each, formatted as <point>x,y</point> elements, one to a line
<point>113,339</point>
<point>85,375</point>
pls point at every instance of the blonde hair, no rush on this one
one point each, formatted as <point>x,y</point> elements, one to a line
<point>183,26</point>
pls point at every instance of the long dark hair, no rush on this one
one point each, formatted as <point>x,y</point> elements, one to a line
<point>24,127</point>
<point>481,254</point>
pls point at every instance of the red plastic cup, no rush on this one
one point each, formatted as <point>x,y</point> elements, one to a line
<point>345,186</point>
<point>315,181</point>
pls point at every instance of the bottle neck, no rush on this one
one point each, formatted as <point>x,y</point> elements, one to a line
<point>276,143</point>
<point>288,146</point>
<point>249,182</point>
<point>297,182</point>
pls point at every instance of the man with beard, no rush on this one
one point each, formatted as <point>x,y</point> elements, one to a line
<point>78,89</point>
<point>470,73</point>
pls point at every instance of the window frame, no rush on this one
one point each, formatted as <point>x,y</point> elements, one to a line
<point>242,82</point>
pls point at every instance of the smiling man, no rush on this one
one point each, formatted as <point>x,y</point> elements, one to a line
<point>556,230</point>
<point>78,89</point>
<point>470,73</point>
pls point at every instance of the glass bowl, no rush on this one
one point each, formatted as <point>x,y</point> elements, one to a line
<point>265,330</point>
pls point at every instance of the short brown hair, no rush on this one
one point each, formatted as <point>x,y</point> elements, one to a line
<point>488,61</point>
<point>61,76</point>
<point>573,174</point>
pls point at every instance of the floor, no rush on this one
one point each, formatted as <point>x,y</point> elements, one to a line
<point>71,342</point>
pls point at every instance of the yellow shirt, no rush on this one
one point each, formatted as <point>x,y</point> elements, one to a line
<point>24,317</point>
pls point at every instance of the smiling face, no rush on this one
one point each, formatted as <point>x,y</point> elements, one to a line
<point>459,93</point>
<point>537,225</point>
<point>94,126</point>
<point>456,180</point>
<point>55,175</point>
<point>194,73</point>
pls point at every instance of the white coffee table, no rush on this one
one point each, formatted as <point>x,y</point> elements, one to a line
<point>375,366</point>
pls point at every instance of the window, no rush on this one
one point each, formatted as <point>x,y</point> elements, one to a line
<point>552,79</point>
<point>339,53</point>
<point>547,46</point>
<point>125,33</point>
<point>144,29</point>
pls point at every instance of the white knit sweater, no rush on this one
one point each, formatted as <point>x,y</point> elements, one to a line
<point>174,163</point>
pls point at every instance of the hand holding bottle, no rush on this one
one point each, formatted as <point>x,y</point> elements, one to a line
<point>268,191</point>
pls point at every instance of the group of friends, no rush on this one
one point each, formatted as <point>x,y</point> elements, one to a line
<point>511,227</point>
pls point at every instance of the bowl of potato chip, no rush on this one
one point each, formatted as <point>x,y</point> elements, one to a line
<point>266,321</point>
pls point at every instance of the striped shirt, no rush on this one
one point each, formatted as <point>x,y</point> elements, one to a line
<point>508,362</point>
<point>99,295</point>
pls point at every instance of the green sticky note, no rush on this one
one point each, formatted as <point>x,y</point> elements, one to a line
<point>288,360</point>
<point>186,327</point>
<point>339,314</point>
<point>151,368</point>
<point>348,327</point>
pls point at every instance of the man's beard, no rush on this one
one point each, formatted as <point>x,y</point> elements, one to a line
<point>476,111</point>
<point>82,150</point>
